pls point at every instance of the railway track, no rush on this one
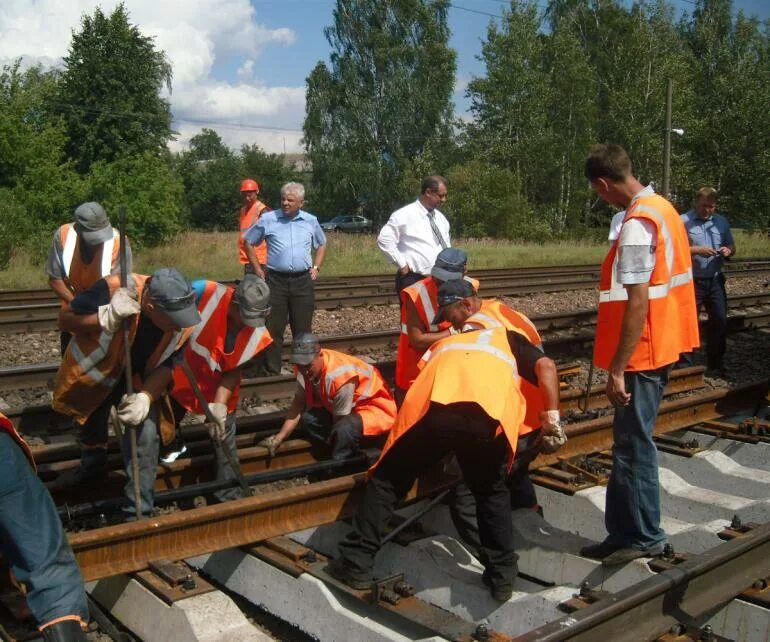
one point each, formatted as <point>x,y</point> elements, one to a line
<point>37,310</point>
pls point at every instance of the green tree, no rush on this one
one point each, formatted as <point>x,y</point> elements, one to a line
<point>385,96</point>
<point>110,91</point>
<point>271,171</point>
<point>149,190</point>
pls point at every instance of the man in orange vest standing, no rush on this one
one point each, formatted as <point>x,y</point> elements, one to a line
<point>160,314</point>
<point>418,308</point>
<point>346,402</point>
<point>466,400</point>
<point>231,332</point>
<point>252,257</point>
<point>646,318</point>
<point>82,253</point>
<point>34,545</point>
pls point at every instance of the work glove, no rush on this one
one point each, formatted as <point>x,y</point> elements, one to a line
<point>134,408</point>
<point>271,443</point>
<point>552,431</point>
<point>123,304</point>
<point>217,429</point>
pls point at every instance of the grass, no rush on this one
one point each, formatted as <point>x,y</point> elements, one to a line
<point>214,256</point>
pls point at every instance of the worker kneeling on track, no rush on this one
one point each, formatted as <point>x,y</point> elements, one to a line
<point>160,314</point>
<point>231,332</point>
<point>347,403</point>
<point>33,544</point>
<point>466,400</point>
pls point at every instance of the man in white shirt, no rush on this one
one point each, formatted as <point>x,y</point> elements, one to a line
<point>416,233</point>
<point>615,225</point>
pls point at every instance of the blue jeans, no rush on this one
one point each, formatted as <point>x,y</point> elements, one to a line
<point>147,451</point>
<point>632,516</point>
<point>33,542</point>
<point>710,293</point>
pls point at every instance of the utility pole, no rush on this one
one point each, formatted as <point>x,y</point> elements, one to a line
<point>667,143</point>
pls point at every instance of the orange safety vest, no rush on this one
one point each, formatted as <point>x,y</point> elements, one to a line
<point>94,362</point>
<point>7,426</point>
<point>79,276</point>
<point>672,321</point>
<point>424,296</point>
<point>246,220</point>
<point>473,367</point>
<point>205,351</point>
<point>372,398</point>
<point>494,314</point>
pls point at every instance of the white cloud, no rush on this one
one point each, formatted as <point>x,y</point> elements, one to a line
<point>194,34</point>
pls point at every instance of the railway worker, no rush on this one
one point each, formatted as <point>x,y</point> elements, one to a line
<point>615,224</point>
<point>646,318</point>
<point>340,400</point>
<point>465,400</point>
<point>416,233</point>
<point>711,242</point>
<point>291,235</point>
<point>418,307</point>
<point>466,311</point>
<point>231,332</point>
<point>252,257</point>
<point>81,253</point>
<point>161,314</point>
<point>33,543</point>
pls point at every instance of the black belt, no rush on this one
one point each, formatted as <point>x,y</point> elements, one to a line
<point>707,278</point>
<point>289,275</point>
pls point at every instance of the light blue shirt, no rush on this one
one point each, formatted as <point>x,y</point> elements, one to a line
<point>713,232</point>
<point>289,240</point>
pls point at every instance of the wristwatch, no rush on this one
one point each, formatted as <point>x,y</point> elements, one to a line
<point>317,268</point>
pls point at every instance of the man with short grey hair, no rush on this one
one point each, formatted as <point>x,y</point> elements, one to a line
<point>292,235</point>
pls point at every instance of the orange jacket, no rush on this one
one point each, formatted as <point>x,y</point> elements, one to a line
<point>205,351</point>
<point>672,321</point>
<point>246,220</point>
<point>7,426</point>
<point>473,367</point>
<point>424,296</point>
<point>81,276</point>
<point>494,314</point>
<point>372,399</point>
<point>94,363</point>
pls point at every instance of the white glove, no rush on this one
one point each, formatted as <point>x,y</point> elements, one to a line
<point>217,429</point>
<point>123,304</point>
<point>133,409</point>
<point>553,433</point>
<point>271,443</point>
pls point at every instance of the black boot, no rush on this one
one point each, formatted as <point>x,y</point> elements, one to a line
<point>64,631</point>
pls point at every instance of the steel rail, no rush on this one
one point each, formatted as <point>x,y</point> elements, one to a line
<point>129,547</point>
<point>683,594</point>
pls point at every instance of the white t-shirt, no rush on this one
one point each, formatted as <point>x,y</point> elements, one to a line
<point>615,225</point>
<point>636,251</point>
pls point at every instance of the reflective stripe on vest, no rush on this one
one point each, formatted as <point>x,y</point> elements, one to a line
<point>367,371</point>
<point>205,314</point>
<point>89,362</point>
<point>482,345</point>
<point>68,252</point>
<point>427,305</point>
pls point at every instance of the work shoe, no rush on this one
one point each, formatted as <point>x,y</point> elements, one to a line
<point>598,551</point>
<point>623,556</point>
<point>340,569</point>
<point>501,592</point>
<point>64,631</point>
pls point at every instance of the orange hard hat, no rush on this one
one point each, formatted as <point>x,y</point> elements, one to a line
<point>249,185</point>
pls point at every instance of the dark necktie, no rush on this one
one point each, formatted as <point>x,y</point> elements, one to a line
<point>436,233</point>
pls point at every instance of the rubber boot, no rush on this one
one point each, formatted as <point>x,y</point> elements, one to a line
<point>64,631</point>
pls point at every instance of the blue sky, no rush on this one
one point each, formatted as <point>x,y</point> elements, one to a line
<point>240,65</point>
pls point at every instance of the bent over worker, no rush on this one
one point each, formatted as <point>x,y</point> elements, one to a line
<point>231,332</point>
<point>418,308</point>
<point>161,315</point>
<point>466,400</point>
<point>33,543</point>
<point>646,318</point>
<point>346,402</point>
<point>83,252</point>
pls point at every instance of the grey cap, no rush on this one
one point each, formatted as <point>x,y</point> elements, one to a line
<point>92,224</point>
<point>304,348</point>
<point>172,293</point>
<point>451,292</point>
<point>253,298</point>
<point>449,265</point>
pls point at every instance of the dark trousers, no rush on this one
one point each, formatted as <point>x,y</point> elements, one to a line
<point>346,437</point>
<point>410,278</point>
<point>462,503</point>
<point>292,299</point>
<point>711,294</point>
<point>64,341</point>
<point>469,432</point>
<point>33,542</point>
